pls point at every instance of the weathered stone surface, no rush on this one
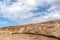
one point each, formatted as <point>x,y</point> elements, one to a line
<point>51,28</point>
<point>24,37</point>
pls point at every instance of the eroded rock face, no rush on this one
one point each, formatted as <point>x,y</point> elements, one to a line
<point>24,37</point>
<point>51,28</point>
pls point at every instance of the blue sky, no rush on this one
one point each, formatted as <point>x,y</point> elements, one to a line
<point>20,12</point>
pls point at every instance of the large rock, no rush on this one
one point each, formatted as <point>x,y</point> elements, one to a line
<point>24,37</point>
<point>51,28</point>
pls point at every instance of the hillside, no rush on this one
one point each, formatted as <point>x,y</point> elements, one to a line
<point>40,31</point>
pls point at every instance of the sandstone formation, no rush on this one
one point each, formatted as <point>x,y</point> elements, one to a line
<point>43,31</point>
<point>24,37</point>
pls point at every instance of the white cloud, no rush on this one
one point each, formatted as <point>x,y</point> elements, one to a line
<point>20,10</point>
<point>53,14</point>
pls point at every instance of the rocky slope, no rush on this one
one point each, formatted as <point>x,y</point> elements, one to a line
<point>39,31</point>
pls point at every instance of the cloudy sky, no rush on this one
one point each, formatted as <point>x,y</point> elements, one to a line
<point>20,12</point>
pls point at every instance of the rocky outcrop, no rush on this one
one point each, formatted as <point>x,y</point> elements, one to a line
<point>44,31</point>
<point>24,37</point>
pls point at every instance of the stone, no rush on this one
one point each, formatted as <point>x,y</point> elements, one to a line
<point>50,28</point>
<point>24,37</point>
